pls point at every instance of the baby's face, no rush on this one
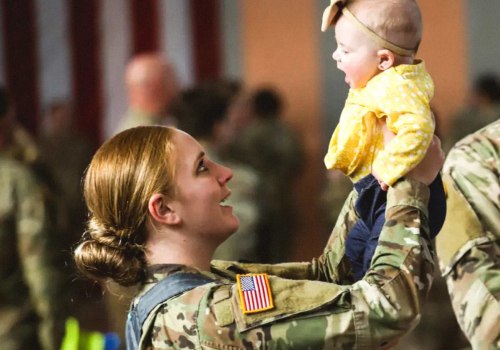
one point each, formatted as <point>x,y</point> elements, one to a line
<point>356,55</point>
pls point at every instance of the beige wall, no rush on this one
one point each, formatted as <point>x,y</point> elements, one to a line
<point>444,48</point>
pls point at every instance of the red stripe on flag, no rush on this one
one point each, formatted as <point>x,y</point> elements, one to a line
<point>205,23</point>
<point>20,43</point>
<point>86,63</point>
<point>144,18</point>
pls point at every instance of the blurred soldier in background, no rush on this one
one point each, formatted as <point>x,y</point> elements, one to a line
<point>469,244</point>
<point>151,85</point>
<point>65,154</point>
<point>483,108</point>
<point>32,303</point>
<point>17,143</point>
<point>271,147</point>
<point>201,111</point>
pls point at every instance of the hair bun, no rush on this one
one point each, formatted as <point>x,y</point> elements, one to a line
<point>104,258</point>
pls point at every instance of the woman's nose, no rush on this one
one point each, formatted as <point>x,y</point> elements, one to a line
<point>225,174</point>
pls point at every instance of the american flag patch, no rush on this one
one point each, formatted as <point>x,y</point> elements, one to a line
<point>255,293</point>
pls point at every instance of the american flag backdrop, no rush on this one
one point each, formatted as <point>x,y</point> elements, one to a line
<point>255,292</point>
<point>77,50</point>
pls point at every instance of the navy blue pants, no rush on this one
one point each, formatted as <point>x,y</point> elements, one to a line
<point>370,206</point>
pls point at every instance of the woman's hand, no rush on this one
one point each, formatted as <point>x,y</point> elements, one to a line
<point>427,170</point>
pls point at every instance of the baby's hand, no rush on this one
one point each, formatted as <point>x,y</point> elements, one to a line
<point>382,184</point>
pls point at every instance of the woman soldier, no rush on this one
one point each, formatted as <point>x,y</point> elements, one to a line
<point>157,214</point>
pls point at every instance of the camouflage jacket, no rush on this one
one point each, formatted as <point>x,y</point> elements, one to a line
<point>30,299</point>
<point>314,306</point>
<point>468,244</point>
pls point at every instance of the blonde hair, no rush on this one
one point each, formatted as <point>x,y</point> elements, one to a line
<point>397,21</point>
<point>123,174</point>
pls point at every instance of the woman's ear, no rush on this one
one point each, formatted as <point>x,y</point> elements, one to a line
<point>386,59</point>
<point>161,211</point>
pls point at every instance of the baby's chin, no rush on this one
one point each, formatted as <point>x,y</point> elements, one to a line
<point>354,85</point>
<point>350,83</point>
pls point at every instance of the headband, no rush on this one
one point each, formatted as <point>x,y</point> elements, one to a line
<point>332,13</point>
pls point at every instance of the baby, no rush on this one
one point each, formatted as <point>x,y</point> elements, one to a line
<point>390,93</point>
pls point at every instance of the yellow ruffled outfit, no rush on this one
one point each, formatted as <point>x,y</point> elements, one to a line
<point>402,94</point>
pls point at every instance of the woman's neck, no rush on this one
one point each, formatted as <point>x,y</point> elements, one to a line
<point>183,252</point>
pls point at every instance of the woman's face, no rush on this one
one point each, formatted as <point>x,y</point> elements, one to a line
<point>201,191</point>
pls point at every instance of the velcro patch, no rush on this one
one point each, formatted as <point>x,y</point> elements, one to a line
<point>255,293</point>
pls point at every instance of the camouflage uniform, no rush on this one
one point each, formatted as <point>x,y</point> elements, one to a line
<point>315,307</point>
<point>468,245</point>
<point>31,307</point>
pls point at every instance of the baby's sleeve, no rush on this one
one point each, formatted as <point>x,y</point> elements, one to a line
<point>409,117</point>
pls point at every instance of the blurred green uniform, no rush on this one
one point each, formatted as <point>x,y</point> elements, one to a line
<point>314,308</point>
<point>468,245</point>
<point>470,120</point>
<point>272,148</point>
<point>242,245</point>
<point>30,301</point>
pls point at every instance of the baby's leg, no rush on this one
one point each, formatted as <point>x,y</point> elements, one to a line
<point>355,246</point>
<point>370,207</point>
<point>437,206</point>
<point>376,227</point>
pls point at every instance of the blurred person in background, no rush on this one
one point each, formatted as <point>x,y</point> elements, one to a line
<point>65,153</point>
<point>151,85</point>
<point>17,142</point>
<point>201,111</point>
<point>483,107</point>
<point>270,146</point>
<point>32,300</point>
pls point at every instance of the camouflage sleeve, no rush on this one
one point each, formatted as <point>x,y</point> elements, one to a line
<point>37,253</point>
<point>331,266</point>
<point>373,313</point>
<point>468,245</point>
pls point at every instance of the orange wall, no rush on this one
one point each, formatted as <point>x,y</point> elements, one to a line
<point>281,47</point>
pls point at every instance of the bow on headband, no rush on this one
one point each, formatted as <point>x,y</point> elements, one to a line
<point>332,14</point>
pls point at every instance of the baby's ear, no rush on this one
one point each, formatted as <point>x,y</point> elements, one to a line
<point>386,59</point>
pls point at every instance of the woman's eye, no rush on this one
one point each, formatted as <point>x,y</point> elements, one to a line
<point>202,167</point>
